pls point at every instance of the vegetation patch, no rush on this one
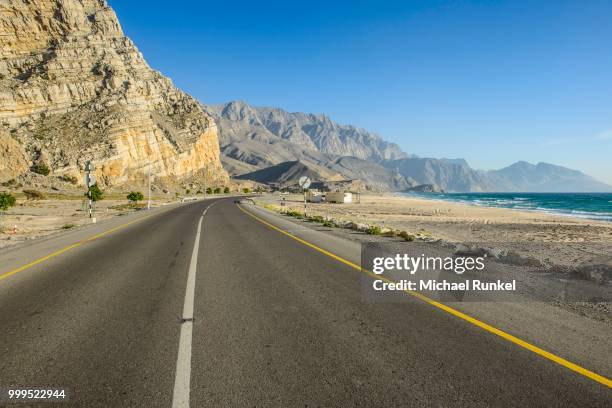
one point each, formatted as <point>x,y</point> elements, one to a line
<point>294,214</point>
<point>271,207</point>
<point>134,197</point>
<point>316,218</point>
<point>6,201</point>
<point>41,168</point>
<point>95,193</point>
<point>126,207</point>
<point>373,230</point>
<point>406,236</point>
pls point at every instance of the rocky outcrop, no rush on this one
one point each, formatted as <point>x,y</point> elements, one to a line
<point>73,88</point>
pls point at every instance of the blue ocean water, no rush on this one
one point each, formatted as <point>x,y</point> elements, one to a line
<point>595,206</point>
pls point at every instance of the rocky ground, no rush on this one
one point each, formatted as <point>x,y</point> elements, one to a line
<point>30,220</point>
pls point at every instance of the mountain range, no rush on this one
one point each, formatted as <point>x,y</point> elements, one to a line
<point>270,145</point>
<point>253,139</point>
<point>74,88</point>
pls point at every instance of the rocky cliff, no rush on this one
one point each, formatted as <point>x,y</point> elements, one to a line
<point>73,87</point>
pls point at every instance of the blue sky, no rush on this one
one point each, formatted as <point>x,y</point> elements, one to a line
<point>490,81</point>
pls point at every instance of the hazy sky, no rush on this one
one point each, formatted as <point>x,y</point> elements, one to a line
<point>490,81</point>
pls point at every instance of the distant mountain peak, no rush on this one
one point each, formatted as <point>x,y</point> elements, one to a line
<point>256,138</point>
<point>238,121</point>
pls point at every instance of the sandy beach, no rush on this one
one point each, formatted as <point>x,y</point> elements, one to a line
<point>554,240</point>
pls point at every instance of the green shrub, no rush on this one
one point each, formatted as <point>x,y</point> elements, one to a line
<point>316,218</point>
<point>68,226</point>
<point>41,168</point>
<point>246,190</point>
<point>295,214</point>
<point>217,190</point>
<point>95,193</point>
<point>135,196</point>
<point>226,190</point>
<point>208,190</point>
<point>6,201</point>
<point>34,195</point>
<point>187,191</point>
<point>373,230</point>
<point>406,236</point>
<point>327,223</point>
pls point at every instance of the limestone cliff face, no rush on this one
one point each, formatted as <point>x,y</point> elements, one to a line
<point>73,88</point>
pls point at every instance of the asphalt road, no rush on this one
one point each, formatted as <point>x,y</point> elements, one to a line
<point>275,323</point>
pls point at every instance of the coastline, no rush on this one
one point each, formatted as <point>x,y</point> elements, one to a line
<point>577,213</point>
<point>551,240</point>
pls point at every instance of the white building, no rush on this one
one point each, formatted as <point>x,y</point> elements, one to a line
<point>339,197</point>
<point>314,196</point>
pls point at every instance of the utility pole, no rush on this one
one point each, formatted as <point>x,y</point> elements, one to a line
<point>149,201</point>
<point>304,183</point>
<point>304,191</point>
<point>205,177</point>
<point>90,180</point>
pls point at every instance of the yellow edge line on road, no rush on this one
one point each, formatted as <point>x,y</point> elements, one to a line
<point>69,247</point>
<point>522,343</point>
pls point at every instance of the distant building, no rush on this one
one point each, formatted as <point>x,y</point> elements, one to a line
<point>339,197</point>
<point>314,196</point>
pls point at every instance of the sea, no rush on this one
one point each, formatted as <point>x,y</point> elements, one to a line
<point>594,206</point>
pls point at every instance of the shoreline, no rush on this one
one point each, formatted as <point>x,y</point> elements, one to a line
<point>579,214</point>
<point>551,240</point>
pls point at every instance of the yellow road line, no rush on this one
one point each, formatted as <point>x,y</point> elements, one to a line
<point>522,343</point>
<point>69,247</point>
